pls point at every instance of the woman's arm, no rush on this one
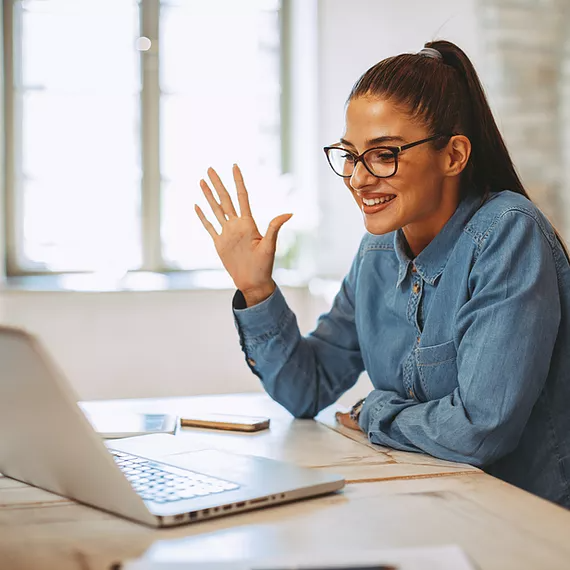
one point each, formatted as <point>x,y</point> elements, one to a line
<point>506,334</point>
<point>304,374</point>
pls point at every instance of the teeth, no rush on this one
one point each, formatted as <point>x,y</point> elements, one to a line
<point>373,201</point>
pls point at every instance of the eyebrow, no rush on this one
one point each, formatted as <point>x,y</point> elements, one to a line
<point>377,140</point>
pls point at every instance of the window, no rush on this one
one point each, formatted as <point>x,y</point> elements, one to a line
<point>114,111</point>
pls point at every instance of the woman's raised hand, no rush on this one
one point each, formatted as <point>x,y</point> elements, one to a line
<point>247,255</point>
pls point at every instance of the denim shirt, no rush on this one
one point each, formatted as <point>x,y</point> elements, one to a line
<point>467,345</point>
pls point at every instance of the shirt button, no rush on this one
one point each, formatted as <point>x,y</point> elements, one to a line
<point>414,269</point>
<point>418,340</point>
<point>410,393</point>
<point>416,288</point>
<point>251,362</point>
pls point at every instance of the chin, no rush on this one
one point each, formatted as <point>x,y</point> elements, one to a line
<point>378,228</point>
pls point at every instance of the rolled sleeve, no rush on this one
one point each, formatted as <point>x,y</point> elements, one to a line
<point>303,373</point>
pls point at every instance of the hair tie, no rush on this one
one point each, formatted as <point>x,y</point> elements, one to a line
<point>430,52</point>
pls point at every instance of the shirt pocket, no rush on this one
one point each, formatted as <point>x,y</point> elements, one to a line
<point>437,368</point>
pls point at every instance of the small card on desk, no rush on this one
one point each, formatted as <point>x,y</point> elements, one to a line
<point>129,424</point>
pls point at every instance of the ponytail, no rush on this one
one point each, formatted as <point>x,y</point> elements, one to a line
<point>490,167</point>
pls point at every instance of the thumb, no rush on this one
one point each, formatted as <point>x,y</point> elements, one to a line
<point>274,226</point>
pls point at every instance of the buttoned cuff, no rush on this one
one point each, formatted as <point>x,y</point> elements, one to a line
<point>262,319</point>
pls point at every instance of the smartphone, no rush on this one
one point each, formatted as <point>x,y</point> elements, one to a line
<point>227,422</point>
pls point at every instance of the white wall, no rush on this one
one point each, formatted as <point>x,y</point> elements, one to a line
<point>127,344</point>
<point>170,343</point>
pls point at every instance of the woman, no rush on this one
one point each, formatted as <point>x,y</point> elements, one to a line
<point>457,302</point>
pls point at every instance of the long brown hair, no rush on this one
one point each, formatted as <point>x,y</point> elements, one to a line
<point>447,96</point>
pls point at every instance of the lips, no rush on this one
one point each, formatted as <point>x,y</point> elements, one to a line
<point>376,202</point>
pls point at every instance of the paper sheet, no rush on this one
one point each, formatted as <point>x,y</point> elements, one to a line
<point>447,557</point>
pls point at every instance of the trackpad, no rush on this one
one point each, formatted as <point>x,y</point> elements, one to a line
<point>223,464</point>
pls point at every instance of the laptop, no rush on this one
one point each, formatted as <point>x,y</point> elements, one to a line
<point>47,441</point>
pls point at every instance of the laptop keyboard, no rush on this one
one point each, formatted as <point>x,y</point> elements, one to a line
<point>162,483</point>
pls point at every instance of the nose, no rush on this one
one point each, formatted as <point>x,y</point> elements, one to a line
<point>360,176</point>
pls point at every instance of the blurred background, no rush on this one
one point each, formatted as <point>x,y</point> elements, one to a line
<point>112,110</point>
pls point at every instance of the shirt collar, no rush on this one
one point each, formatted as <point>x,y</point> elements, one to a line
<point>431,262</point>
<point>401,248</point>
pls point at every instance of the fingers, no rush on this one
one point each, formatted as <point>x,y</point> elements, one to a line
<point>345,420</point>
<point>341,418</point>
<point>226,201</point>
<point>209,227</point>
<point>274,227</point>
<point>243,198</point>
<point>216,208</point>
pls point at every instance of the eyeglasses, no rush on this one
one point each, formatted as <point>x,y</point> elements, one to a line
<point>381,161</point>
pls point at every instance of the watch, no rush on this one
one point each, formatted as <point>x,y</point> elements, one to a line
<point>356,409</point>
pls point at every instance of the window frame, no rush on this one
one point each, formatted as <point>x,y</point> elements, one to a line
<point>152,255</point>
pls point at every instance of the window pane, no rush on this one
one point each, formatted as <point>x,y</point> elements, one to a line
<point>77,93</point>
<point>220,104</point>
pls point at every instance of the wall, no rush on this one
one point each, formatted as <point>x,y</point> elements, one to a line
<point>183,342</point>
<point>2,160</point>
<point>131,344</point>
<point>526,59</point>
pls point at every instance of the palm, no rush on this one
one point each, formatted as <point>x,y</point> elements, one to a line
<point>243,252</point>
<point>246,254</point>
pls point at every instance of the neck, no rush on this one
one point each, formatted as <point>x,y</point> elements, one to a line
<point>420,234</point>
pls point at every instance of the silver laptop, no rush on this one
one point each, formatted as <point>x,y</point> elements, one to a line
<point>46,441</point>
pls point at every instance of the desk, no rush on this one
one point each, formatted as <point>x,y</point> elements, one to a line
<point>499,526</point>
<point>321,447</point>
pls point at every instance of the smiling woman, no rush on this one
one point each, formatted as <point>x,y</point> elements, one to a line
<point>457,303</point>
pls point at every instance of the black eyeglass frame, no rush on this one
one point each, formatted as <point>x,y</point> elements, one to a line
<point>395,150</point>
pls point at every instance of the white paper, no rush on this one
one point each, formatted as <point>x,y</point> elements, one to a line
<point>447,557</point>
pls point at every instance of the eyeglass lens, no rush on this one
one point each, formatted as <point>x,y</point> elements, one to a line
<point>380,161</point>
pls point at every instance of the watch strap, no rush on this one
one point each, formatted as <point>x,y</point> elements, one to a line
<point>356,409</point>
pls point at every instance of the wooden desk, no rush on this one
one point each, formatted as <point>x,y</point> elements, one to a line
<point>499,526</point>
<point>321,448</point>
